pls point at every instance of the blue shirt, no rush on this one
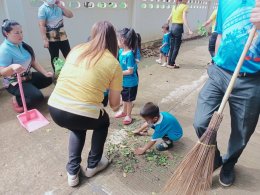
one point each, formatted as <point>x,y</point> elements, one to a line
<point>53,16</point>
<point>166,39</point>
<point>127,61</point>
<point>13,54</point>
<point>167,125</point>
<point>233,22</point>
<point>106,92</point>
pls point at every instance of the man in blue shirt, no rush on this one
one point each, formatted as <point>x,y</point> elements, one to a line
<point>233,27</point>
<point>50,16</point>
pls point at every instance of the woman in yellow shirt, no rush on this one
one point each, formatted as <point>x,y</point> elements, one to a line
<point>177,18</point>
<point>76,102</point>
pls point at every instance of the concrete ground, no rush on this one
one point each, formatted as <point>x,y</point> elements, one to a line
<point>34,163</point>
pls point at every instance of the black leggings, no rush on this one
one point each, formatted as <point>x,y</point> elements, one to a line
<point>31,89</point>
<point>78,125</point>
<point>55,47</point>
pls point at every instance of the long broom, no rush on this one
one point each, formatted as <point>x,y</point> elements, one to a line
<point>193,176</point>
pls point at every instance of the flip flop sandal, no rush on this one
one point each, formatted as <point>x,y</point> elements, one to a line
<point>176,66</point>
<point>169,66</point>
<point>16,107</point>
<point>127,121</point>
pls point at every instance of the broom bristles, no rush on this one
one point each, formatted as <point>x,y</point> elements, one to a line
<point>194,174</point>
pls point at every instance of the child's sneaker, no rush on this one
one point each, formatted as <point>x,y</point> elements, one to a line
<point>165,145</point>
<point>120,114</point>
<point>73,180</point>
<point>103,163</point>
<point>159,61</point>
<point>164,64</point>
<point>127,120</point>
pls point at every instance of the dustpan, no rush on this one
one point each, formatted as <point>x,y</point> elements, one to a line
<point>31,120</point>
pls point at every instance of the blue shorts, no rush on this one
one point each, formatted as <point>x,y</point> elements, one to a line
<point>164,53</point>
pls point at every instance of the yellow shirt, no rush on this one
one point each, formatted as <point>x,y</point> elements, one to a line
<point>80,90</point>
<point>213,18</point>
<point>177,13</point>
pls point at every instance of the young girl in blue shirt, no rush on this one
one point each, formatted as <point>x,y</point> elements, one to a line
<point>127,41</point>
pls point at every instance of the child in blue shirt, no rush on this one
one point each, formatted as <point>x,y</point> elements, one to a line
<point>127,42</point>
<point>165,48</point>
<point>165,126</point>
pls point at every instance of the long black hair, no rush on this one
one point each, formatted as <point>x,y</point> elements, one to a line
<point>139,41</point>
<point>7,27</point>
<point>130,38</point>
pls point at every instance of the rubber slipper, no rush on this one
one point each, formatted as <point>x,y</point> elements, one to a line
<point>127,121</point>
<point>16,107</point>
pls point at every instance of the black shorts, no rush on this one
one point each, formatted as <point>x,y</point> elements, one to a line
<point>129,94</point>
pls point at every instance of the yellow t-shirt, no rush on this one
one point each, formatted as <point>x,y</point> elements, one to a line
<point>177,13</point>
<point>80,90</point>
<point>213,18</point>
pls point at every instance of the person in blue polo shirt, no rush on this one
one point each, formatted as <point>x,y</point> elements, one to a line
<point>165,47</point>
<point>54,37</point>
<point>165,126</point>
<point>233,27</point>
<point>127,41</point>
<point>18,57</point>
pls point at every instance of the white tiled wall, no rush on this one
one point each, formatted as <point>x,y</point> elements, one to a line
<point>146,16</point>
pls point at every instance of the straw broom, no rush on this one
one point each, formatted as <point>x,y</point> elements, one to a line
<point>193,176</point>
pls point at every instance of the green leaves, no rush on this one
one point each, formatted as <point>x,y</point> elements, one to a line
<point>58,64</point>
<point>159,158</point>
<point>202,31</point>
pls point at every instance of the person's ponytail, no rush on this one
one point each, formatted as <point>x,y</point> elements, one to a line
<point>29,49</point>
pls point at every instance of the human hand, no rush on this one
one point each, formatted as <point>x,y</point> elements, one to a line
<point>255,16</point>
<point>17,68</point>
<point>49,74</point>
<point>139,151</point>
<point>190,32</point>
<point>136,131</point>
<point>46,44</point>
<point>59,3</point>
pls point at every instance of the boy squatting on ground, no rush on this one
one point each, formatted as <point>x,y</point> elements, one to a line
<point>165,48</point>
<point>165,126</point>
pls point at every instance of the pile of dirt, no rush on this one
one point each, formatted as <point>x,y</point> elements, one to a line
<point>150,51</point>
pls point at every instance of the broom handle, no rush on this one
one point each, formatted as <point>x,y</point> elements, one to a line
<point>237,70</point>
<point>21,92</point>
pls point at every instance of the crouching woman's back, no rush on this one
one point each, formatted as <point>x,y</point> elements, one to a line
<point>76,102</point>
